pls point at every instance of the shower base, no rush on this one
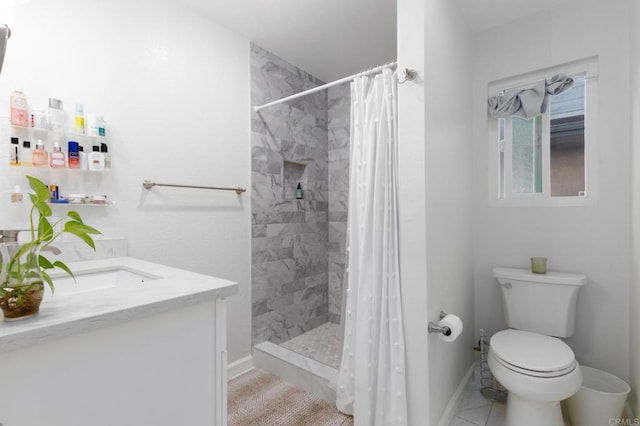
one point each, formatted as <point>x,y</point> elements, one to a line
<point>294,360</point>
<point>321,344</point>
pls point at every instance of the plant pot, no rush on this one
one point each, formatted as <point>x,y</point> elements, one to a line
<point>21,282</point>
<point>21,302</point>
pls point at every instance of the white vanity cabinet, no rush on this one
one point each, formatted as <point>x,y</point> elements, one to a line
<point>148,354</point>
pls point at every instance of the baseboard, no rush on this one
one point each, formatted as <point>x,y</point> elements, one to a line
<point>454,401</point>
<point>240,366</point>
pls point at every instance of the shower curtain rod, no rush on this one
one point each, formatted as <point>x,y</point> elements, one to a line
<point>326,86</point>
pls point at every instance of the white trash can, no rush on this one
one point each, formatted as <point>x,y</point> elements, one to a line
<point>600,399</point>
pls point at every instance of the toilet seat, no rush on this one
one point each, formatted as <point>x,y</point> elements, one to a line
<point>532,354</point>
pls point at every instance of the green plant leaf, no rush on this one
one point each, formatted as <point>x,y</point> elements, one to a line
<point>82,235</point>
<point>74,215</point>
<point>45,230</point>
<point>47,278</point>
<point>61,265</point>
<point>45,263</point>
<point>79,226</point>
<point>43,208</point>
<point>41,190</point>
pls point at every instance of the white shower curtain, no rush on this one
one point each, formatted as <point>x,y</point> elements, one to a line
<point>371,383</point>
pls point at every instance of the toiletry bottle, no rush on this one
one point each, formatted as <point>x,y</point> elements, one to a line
<point>74,155</point>
<point>26,154</point>
<point>102,127</point>
<point>107,157</point>
<point>39,119</point>
<point>18,109</point>
<point>14,154</point>
<point>40,155</point>
<point>57,157</point>
<point>56,115</point>
<point>54,192</point>
<point>92,126</point>
<point>16,195</point>
<point>96,159</point>
<point>79,119</point>
<point>84,162</point>
<point>299,191</point>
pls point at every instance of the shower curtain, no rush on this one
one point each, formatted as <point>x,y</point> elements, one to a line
<point>371,382</point>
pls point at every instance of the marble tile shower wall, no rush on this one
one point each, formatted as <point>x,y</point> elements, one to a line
<point>339,116</point>
<point>289,236</point>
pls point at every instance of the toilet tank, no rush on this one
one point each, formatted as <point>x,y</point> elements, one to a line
<point>540,303</point>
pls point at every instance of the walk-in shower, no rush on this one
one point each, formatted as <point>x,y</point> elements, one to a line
<point>303,135</point>
<point>298,244</point>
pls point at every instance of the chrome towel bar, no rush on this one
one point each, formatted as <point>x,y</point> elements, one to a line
<point>147,184</point>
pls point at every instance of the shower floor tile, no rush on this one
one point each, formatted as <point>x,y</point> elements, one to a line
<point>321,344</point>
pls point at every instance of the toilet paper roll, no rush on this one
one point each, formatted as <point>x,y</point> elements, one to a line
<point>455,325</point>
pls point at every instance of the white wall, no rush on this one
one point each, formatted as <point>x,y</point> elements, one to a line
<point>448,176</point>
<point>412,208</point>
<point>435,200</point>
<point>173,87</point>
<point>591,239</point>
<point>634,21</point>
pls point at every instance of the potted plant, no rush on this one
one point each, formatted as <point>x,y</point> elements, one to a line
<point>24,267</point>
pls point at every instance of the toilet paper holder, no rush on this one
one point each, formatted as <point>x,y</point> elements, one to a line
<point>435,328</point>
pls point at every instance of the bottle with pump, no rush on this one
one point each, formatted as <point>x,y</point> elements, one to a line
<point>40,155</point>
<point>26,154</point>
<point>102,127</point>
<point>96,159</point>
<point>84,162</point>
<point>105,153</point>
<point>18,109</point>
<point>299,191</point>
<point>57,157</point>
<point>14,152</point>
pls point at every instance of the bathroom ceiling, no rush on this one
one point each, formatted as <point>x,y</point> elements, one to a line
<point>327,38</point>
<point>336,38</point>
<point>484,14</point>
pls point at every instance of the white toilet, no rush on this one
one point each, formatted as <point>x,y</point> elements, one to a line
<point>537,369</point>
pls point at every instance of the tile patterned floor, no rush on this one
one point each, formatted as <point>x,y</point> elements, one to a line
<point>475,410</point>
<point>321,344</point>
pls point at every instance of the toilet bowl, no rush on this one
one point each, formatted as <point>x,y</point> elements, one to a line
<point>539,371</point>
<point>537,368</point>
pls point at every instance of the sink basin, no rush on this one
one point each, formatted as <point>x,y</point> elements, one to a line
<point>99,279</point>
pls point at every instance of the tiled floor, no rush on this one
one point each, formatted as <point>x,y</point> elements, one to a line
<point>321,344</point>
<point>475,410</point>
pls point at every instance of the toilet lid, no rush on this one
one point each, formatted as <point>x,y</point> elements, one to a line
<point>532,353</point>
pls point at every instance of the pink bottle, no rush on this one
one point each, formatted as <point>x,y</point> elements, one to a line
<point>40,156</point>
<point>57,157</point>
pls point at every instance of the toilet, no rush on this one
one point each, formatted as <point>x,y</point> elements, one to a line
<point>537,368</point>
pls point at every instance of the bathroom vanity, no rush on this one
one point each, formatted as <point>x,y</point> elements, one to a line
<point>131,343</point>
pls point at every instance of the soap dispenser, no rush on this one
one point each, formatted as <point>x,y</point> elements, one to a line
<point>299,191</point>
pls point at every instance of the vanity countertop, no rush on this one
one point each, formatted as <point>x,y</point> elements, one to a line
<point>66,314</point>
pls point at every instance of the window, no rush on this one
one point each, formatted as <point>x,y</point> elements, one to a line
<point>545,159</point>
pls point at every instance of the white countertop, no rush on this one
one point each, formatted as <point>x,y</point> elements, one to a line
<point>66,314</point>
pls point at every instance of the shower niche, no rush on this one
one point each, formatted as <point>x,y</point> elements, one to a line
<point>292,174</point>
